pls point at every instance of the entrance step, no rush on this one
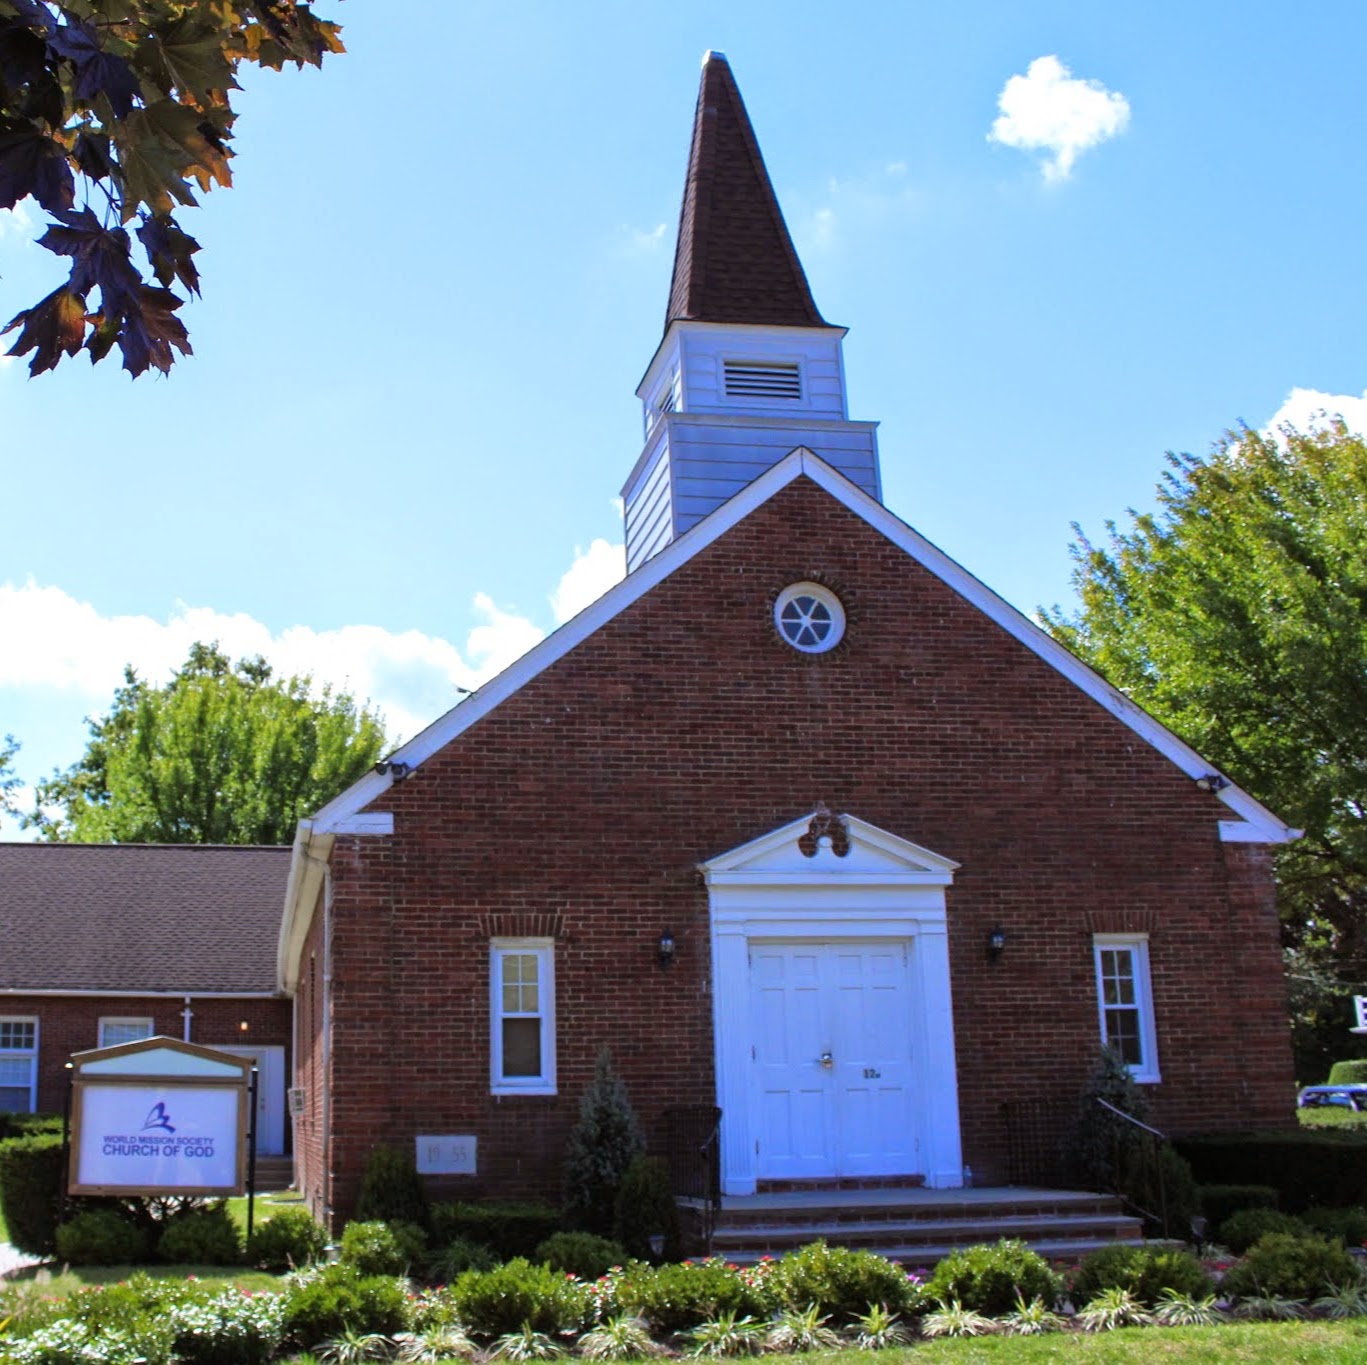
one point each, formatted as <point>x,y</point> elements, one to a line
<point>919,1226</point>
<point>274,1173</point>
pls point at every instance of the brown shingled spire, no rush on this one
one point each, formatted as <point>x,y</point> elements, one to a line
<point>734,260</point>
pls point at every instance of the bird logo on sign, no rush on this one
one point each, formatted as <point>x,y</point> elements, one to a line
<point>157,1117</point>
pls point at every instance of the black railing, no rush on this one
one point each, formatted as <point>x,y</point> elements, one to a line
<point>692,1133</point>
<point>1137,1164</point>
<point>1034,1130</point>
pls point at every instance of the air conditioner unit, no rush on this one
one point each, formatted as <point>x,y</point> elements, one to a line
<point>297,1095</point>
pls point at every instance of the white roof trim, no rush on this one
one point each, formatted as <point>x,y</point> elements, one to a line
<point>1256,824</point>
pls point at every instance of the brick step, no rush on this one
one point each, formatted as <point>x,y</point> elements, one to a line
<point>925,1255</point>
<point>920,1211</point>
<point>881,1182</point>
<point>274,1173</point>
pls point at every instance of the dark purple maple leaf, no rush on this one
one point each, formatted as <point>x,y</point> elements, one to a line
<point>32,163</point>
<point>97,72</point>
<point>51,328</point>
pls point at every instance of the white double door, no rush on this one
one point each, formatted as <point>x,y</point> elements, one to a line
<point>832,1058</point>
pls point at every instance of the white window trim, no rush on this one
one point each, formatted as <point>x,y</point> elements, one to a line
<point>828,599</point>
<point>544,1084</point>
<point>30,1053</point>
<point>106,1019</point>
<point>1147,1072</point>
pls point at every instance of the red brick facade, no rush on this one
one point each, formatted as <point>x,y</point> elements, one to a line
<point>71,1023</point>
<point>581,807</point>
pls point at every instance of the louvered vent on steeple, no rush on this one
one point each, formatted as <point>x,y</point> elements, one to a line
<point>754,379</point>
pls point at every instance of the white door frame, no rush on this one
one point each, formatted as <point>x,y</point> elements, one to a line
<point>270,1094</point>
<point>883,887</point>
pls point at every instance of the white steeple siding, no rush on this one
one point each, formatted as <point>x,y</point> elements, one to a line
<point>722,403</point>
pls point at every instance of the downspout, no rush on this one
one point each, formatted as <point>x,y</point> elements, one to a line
<point>186,1014</point>
<point>326,1058</point>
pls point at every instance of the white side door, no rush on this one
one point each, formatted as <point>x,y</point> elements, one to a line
<point>832,1059</point>
<point>270,1096</point>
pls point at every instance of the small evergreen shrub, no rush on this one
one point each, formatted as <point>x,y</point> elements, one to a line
<point>231,1328</point>
<point>581,1253</point>
<point>1240,1230</point>
<point>1163,1184</point>
<point>1217,1202</point>
<point>1146,1272</point>
<point>391,1189</point>
<point>31,1174</point>
<point>495,1302</point>
<point>839,1281</point>
<point>1348,1226</point>
<point>602,1145</point>
<point>1348,1073</point>
<point>1282,1265</point>
<point>328,1302</point>
<point>507,1229</point>
<point>989,1279</point>
<point>645,1208</point>
<point>376,1248</point>
<point>1103,1146</point>
<point>100,1237</point>
<point>206,1236</point>
<point>676,1298</point>
<point>288,1241</point>
<point>456,1257</point>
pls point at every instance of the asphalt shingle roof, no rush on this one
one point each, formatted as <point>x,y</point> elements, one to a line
<point>734,261</point>
<point>140,917</point>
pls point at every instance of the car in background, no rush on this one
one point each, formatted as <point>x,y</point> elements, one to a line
<point>1333,1096</point>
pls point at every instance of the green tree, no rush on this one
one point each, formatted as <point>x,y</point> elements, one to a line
<point>9,783</point>
<point>113,112</point>
<point>601,1148</point>
<point>219,755</point>
<point>1237,614</point>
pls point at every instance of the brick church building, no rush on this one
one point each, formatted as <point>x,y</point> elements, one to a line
<point>800,819</point>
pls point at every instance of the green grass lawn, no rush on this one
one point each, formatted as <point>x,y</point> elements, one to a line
<point>72,1278</point>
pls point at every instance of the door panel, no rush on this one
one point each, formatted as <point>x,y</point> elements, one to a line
<point>851,1113</point>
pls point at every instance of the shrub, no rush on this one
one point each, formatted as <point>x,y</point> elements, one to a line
<point>675,1298</point>
<point>508,1229</point>
<point>391,1189</point>
<point>1161,1182</point>
<point>1146,1272</point>
<point>492,1303</point>
<point>100,1237</point>
<point>1348,1226</point>
<point>30,1183</point>
<point>1307,1167</point>
<point>290,1240</point>
<point>376,1248</point>
<point>1282,1265</point>
<point>1348,1073</point>
<point>325,1303</point>
<point>989,1279</point>
<point>232,1328</point>
<point>1217,1202</point>
<point>205,1236</point>
<point>838,1281</point>
<point>582,1253</point>
<point>601,1148</point>
<point>71,1342</point>
<point>458,1256</point>
<point>1240,1230</point>
<point>645,1208</point>
<point>1101,1144</point>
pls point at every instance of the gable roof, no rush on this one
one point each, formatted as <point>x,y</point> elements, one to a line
<point>140,918</point>
<point>734,261</point>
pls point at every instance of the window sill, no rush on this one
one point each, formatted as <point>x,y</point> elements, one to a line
<point>504,1091</point>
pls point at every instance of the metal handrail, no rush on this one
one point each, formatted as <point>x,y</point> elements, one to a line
<point>1151,1150</point>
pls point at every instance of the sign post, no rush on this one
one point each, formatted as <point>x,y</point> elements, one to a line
<point>159,1117</point>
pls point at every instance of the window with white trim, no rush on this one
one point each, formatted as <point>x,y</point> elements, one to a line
<point>522,1016</point>
<point>123,1029</point>
<point>1125,1001</point>
<point>18,1065</point>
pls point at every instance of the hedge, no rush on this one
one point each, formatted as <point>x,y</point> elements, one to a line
<point>1323,1167</point>
<point>30,1186</point>
<point>510,1230</point>
<point>1349,1073</point>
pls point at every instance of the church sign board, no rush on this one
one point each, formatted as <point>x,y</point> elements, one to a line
<point>159,1116</point>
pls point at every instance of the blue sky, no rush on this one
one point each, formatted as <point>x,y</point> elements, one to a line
<point>394,457</point>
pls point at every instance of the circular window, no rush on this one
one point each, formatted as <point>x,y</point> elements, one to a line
<point>809,617</point>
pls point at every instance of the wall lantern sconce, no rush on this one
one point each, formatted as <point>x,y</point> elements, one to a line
<point>243,1026</point>
<point>665,950</point>
<point>996,942</point>
<point>1212,782</point>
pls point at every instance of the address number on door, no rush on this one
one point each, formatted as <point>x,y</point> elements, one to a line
<point>872,1073</point>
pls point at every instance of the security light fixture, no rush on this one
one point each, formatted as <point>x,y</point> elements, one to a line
<point>996,942</point>
<point>665,950</point>
<point>1212,782</point>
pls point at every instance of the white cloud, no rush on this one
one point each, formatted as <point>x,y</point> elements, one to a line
<point>18,221</point>
<point>57,644</point>
<point>1050,110</point>
<point>593,572</point>
<point>645,239</point>
<point>1311,409</point>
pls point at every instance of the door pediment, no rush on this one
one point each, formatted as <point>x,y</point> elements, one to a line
<point>808,852</point>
